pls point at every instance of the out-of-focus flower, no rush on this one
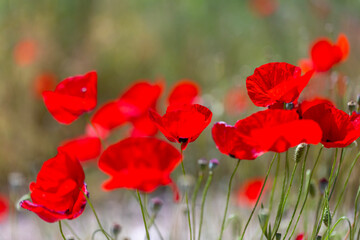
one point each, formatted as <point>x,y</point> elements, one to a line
<point>4,207</point>
<point>339,129</point>
<point>44,82</point>
<point>182,123</point>
<point>184,92</point>
<point>236,101</point>
<point>249,192</point>
<point>83,148</point>
<point>58,191</point>
<point>72,97</point>
<point>300,236</point>
<point>263,8</point>
<point>276,83</point>
<point>269,130</point>
<point>25,52</point>
<point>142,164</point>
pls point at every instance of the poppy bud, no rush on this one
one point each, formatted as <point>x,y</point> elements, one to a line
<point>299,152</point>
<point>327,217</point>
<point>289,106</point>
<point>213,164</point>
<point>115,229</point>
<point>312,189</point>
<point>156,204</point>
<point>263,216</point>
<point>278,236</point>
<point>323,183</point>
<point>351,107</point>
<point>202,163</point>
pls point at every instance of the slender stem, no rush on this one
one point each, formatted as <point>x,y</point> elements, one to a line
<point>346,182</point>
<point>61,231</point>
<point>186,193</point>
<point>152,222</point>
<point>207,185</point>
<point>307,191</point>
<point>143,214</point>
<point>300,191</point>
<point>71,230</point>
<point>317,223</point>
<point>193,200</point>
<point>227,199</point>
<point>257,201</point>
<point>337,222</point>
<point>96,216</point>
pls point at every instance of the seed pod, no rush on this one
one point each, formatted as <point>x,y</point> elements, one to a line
<point>299,152</point>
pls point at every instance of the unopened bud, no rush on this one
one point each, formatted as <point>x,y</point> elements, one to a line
<point>327,217</point>
<point>323,183</point>
<point>351,106</point>
<point>299,152</point>
<point>156,204</point>
<point>263,216</point>
<point>115,229</point>
<point>289,106</point>
<point>278,236</point>
<point>213,164</point>
<point>202,163</point>
<point>312,189</point>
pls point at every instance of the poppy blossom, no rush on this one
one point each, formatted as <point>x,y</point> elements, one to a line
<point>25,52</point>
<point>58,191</point>
<point>300,237</point>
<point>269,130</point>
<point>325,54</point>
<point>339,129</point>
<point>139,163</point>
<point>184,92</point>
<point>72,97</point>
<point>4,207</point>
<point>236,101</point>
<point>264,8</point>
<point>276,82</point>
<point>249,192</point>
<point>83,148</point>
<point>182,123</point>
<point>131,107</point>
<point>44,82</point>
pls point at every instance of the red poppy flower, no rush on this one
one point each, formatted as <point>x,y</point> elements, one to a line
<point>4,207</point>
<point>182,123</point>
<point>72,97</point>
<point>264,8</point>
<point>140,163</point>
<point>44,82</point>
<point>300,237</point>
<point>269,130</point>
<point>276,83</point>
<point>249,192</point>
<point>83,148</point>
<point>132,106</point>
<point>25,52</point>
<point>339,129</point>
<point>57,193</point>
<point>236,101</point>
<point>325,54</point>
<point>184,92</point>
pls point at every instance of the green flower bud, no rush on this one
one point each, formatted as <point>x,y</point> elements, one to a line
<point>351,107</point>
<point>299,152</point>
<point>327,217</point>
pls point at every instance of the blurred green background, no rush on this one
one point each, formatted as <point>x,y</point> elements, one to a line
<point>215,43</point>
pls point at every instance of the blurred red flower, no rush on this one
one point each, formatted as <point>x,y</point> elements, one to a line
<point>276,82</point>
<point>250,190</point>
<point>300,237</point>
<point>25,52</point>
<point>72,97</point>
<point>182,123</point>
<point>264,8</point>
<point>83,148</point>
<point>140,163</point>
<point>57,193</point>
<point>339,129</point>
<point>44,82</point>
<point>184,92</point>
<point>324,54</point>
<point>269,130</point>
<point>236,101</point>
<point>4,207</point>
<point>132,106</point>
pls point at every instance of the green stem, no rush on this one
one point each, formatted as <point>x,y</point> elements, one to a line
<point>337,222</point>
<point>71,230</point>
<point>207,185</point>
<point>96,216</point>
<point>186,193</point>
<point>317,223</point>
<point>307,192</point>
<point>143,214</point>
<point>61,231</point>
<point>193,200</point>
<point>227,199</point>
<point>257,201</point>
<point>346,182</point>
<point>300,191</point>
